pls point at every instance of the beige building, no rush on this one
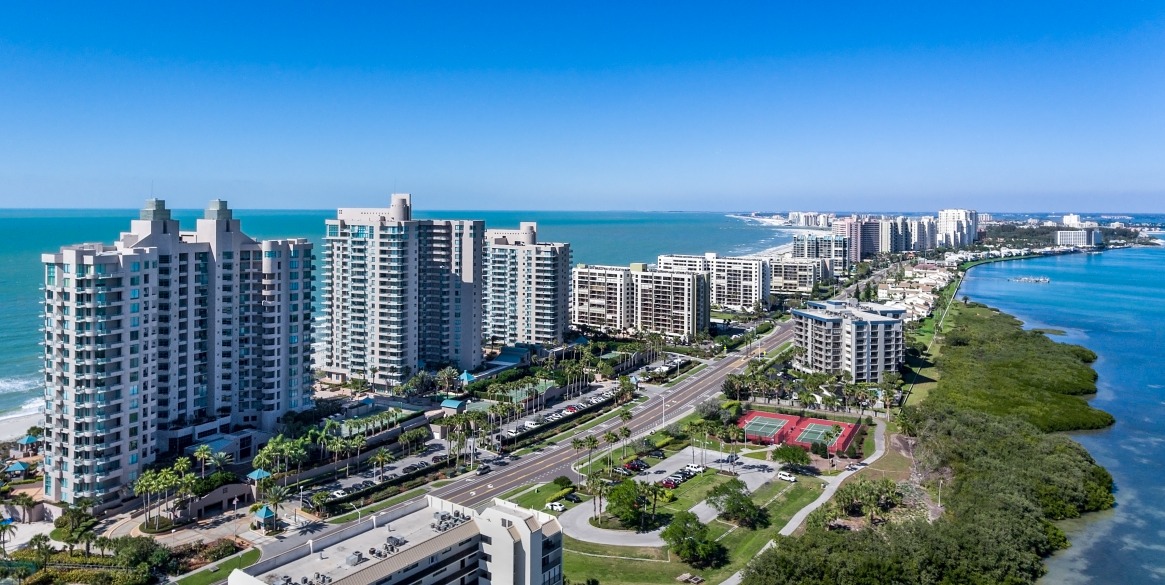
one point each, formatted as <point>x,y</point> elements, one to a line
<point>796,276</point>
<point>866,340</point>
<point>401,294</point>
<point>602,297</point>
<point>434,542</point>
<point>734,283</point>
<point>832,248</point>
<point>526,291</point>
<point>165,339</point>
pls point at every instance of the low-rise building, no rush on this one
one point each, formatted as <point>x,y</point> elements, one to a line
<point>866,340</point>
<point>430,542</point>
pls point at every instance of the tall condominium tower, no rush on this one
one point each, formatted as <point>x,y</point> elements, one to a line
<point>603,297</point>
<point>957,228</point>
<point>834,249</point>
<point>734,283</point>
<point>526,287</point>
<point>675,304</point>
<point>866,340</point>
<point>401,294</point>
<point>168,338</point>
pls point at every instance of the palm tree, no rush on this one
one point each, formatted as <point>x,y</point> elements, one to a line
<point>203,454</point>
<point>220,460</point>
<point>88,538</point>
<point>103,543</point>
<point>383,457</point>
<point>6,530</point>
<point>624,433</point>
<point>610,438</point>
<point>43,546</point>
<point>592,443</point>
<point>578,444</point>
<point>26,503</point>
<point>275,497</point>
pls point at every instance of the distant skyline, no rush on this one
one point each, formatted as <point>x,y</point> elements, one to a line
<point>1006,107</point>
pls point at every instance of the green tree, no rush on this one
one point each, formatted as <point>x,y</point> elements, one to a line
<point>688,538</point>
<point>733,502</point>
<point>791,454</point>
<point>623,502</point>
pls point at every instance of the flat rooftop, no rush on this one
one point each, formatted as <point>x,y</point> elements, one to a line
<point>416,529</point>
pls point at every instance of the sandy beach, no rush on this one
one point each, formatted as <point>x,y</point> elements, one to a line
<point>16,427</point>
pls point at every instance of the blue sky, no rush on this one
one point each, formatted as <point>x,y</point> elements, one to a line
<point>621,105</point>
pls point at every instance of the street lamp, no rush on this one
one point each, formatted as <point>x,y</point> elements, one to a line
<point>358,514</point>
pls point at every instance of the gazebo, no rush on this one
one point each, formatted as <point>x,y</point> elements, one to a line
<point>18,467</point>
<point>466,377</point>
<point>256,476</point>
<point>266,514</point>
<point>27,445</point>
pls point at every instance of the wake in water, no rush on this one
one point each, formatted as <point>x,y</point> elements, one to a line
<point>21,396</point>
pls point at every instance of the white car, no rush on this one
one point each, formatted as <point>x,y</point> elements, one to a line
<point>555,507</point>
<point>786,476</point>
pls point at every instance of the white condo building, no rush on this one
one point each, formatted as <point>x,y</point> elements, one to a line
<point>1089,238</point>
<point>165,339</point>
<point>796,275</point>
<point>831,248</point>
<point>866,340</point>
<point>921,234</point>
<point>401,294</point>
<point>956,228</point>
<point>526,287</point>
<point>734,283</point>
<point>602,297</point>
<point>675,304</point>
<point>431,542</point>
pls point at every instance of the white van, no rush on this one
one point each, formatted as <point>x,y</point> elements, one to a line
<point>530,424</point>
<point>694,468</point>
<point>786,476</point>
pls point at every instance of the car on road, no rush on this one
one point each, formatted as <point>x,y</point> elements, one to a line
<point>555,507</point>
<point>731,458</point>
<point>786,476</point>
<point>482,470</point>
<point>501,462</point>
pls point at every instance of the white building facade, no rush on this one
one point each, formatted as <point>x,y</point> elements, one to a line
<point>602,298</point>
<point>735,283</point>
<point>831,248</point>
<point>865,340</point>
<point>956,228</point>
<point>1080,238</point>
<point>526,287</point>
<point>796,276</point>
<point>400,294</point>
<point>671,303</point>
<point>165,339</point>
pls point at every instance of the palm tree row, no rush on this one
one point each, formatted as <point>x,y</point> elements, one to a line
<point>176,482</point>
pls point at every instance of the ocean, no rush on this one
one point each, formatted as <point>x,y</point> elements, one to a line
<point>595,238</point>
<point>1114,304</point>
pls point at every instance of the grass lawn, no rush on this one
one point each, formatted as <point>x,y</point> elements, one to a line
<point>620,565</point>
<point>538,497</point>
<point>207,576</point>
<point>685,375</point>
<point>377,506</point>
<point>869,445</point>
<point>694,491</point>
<point>892,464</point>
<point>762,455</point>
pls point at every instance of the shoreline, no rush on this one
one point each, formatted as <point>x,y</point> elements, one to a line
<point>15,427</point>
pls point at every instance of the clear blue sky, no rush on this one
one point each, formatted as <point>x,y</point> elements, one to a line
<point>1009,106</point>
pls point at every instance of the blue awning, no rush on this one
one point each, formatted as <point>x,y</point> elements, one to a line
<point>264,513</point>
<point>18,466</point>
<point>466,377</point>
<point>450,403</point>
<point>28,440</point>
<point>258,474</point>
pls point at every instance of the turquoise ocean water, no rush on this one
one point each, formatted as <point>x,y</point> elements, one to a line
<point>1114,304</point>
<point>595,237</point>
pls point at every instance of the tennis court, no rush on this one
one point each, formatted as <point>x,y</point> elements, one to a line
<point>814,432</point>
<point>763,426</point>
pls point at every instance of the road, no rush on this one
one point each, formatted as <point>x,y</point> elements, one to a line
<point>544,467</point>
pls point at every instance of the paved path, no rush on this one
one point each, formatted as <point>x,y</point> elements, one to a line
<point>576,521</point>
<point>832,483</point>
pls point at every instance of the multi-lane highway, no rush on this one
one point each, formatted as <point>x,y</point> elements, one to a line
<point>648,416</point>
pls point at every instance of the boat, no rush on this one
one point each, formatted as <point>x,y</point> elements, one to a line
<point>1032,279</point>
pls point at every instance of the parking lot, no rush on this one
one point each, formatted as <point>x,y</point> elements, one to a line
<point>345,485</point>
<point>566,408</point>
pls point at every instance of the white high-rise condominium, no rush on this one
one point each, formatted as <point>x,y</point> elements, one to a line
<point>832,248</point>
<point>921,234</point>
<point>602,297</point>
<point>401,294</point>
<point>527,287</point>
<point>866,340</point>
<point>956,228</point>
<point>165,339</point>
<point>734,283</point>
<point>672,303</point>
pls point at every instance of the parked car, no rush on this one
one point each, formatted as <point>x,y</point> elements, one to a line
<point>657,453</point>
<point>694,468</point>
<point>440,458</point>
<point>339,494</point>
<point>669,483</point>
<point>513,432</point>
<point>622,471</point>
<point>572,498</point>
<point>786,476</point>
<point>555,506</point>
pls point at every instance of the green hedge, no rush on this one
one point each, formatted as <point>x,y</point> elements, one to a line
<point>561,494</point>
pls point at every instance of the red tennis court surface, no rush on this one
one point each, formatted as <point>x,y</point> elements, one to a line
<point>772,428</point>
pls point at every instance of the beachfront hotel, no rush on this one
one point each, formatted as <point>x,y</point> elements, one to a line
<point>1089,238</point>
<point>526,287</point>
<point>427,542</point>
<point>737,284</point>
<point>166,339</point>
<point>400,294</point>
<point>866,340</point>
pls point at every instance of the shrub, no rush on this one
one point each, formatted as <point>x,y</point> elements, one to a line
<point>220,549</point>
<point>563,481</point>
<point>561,494</point>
